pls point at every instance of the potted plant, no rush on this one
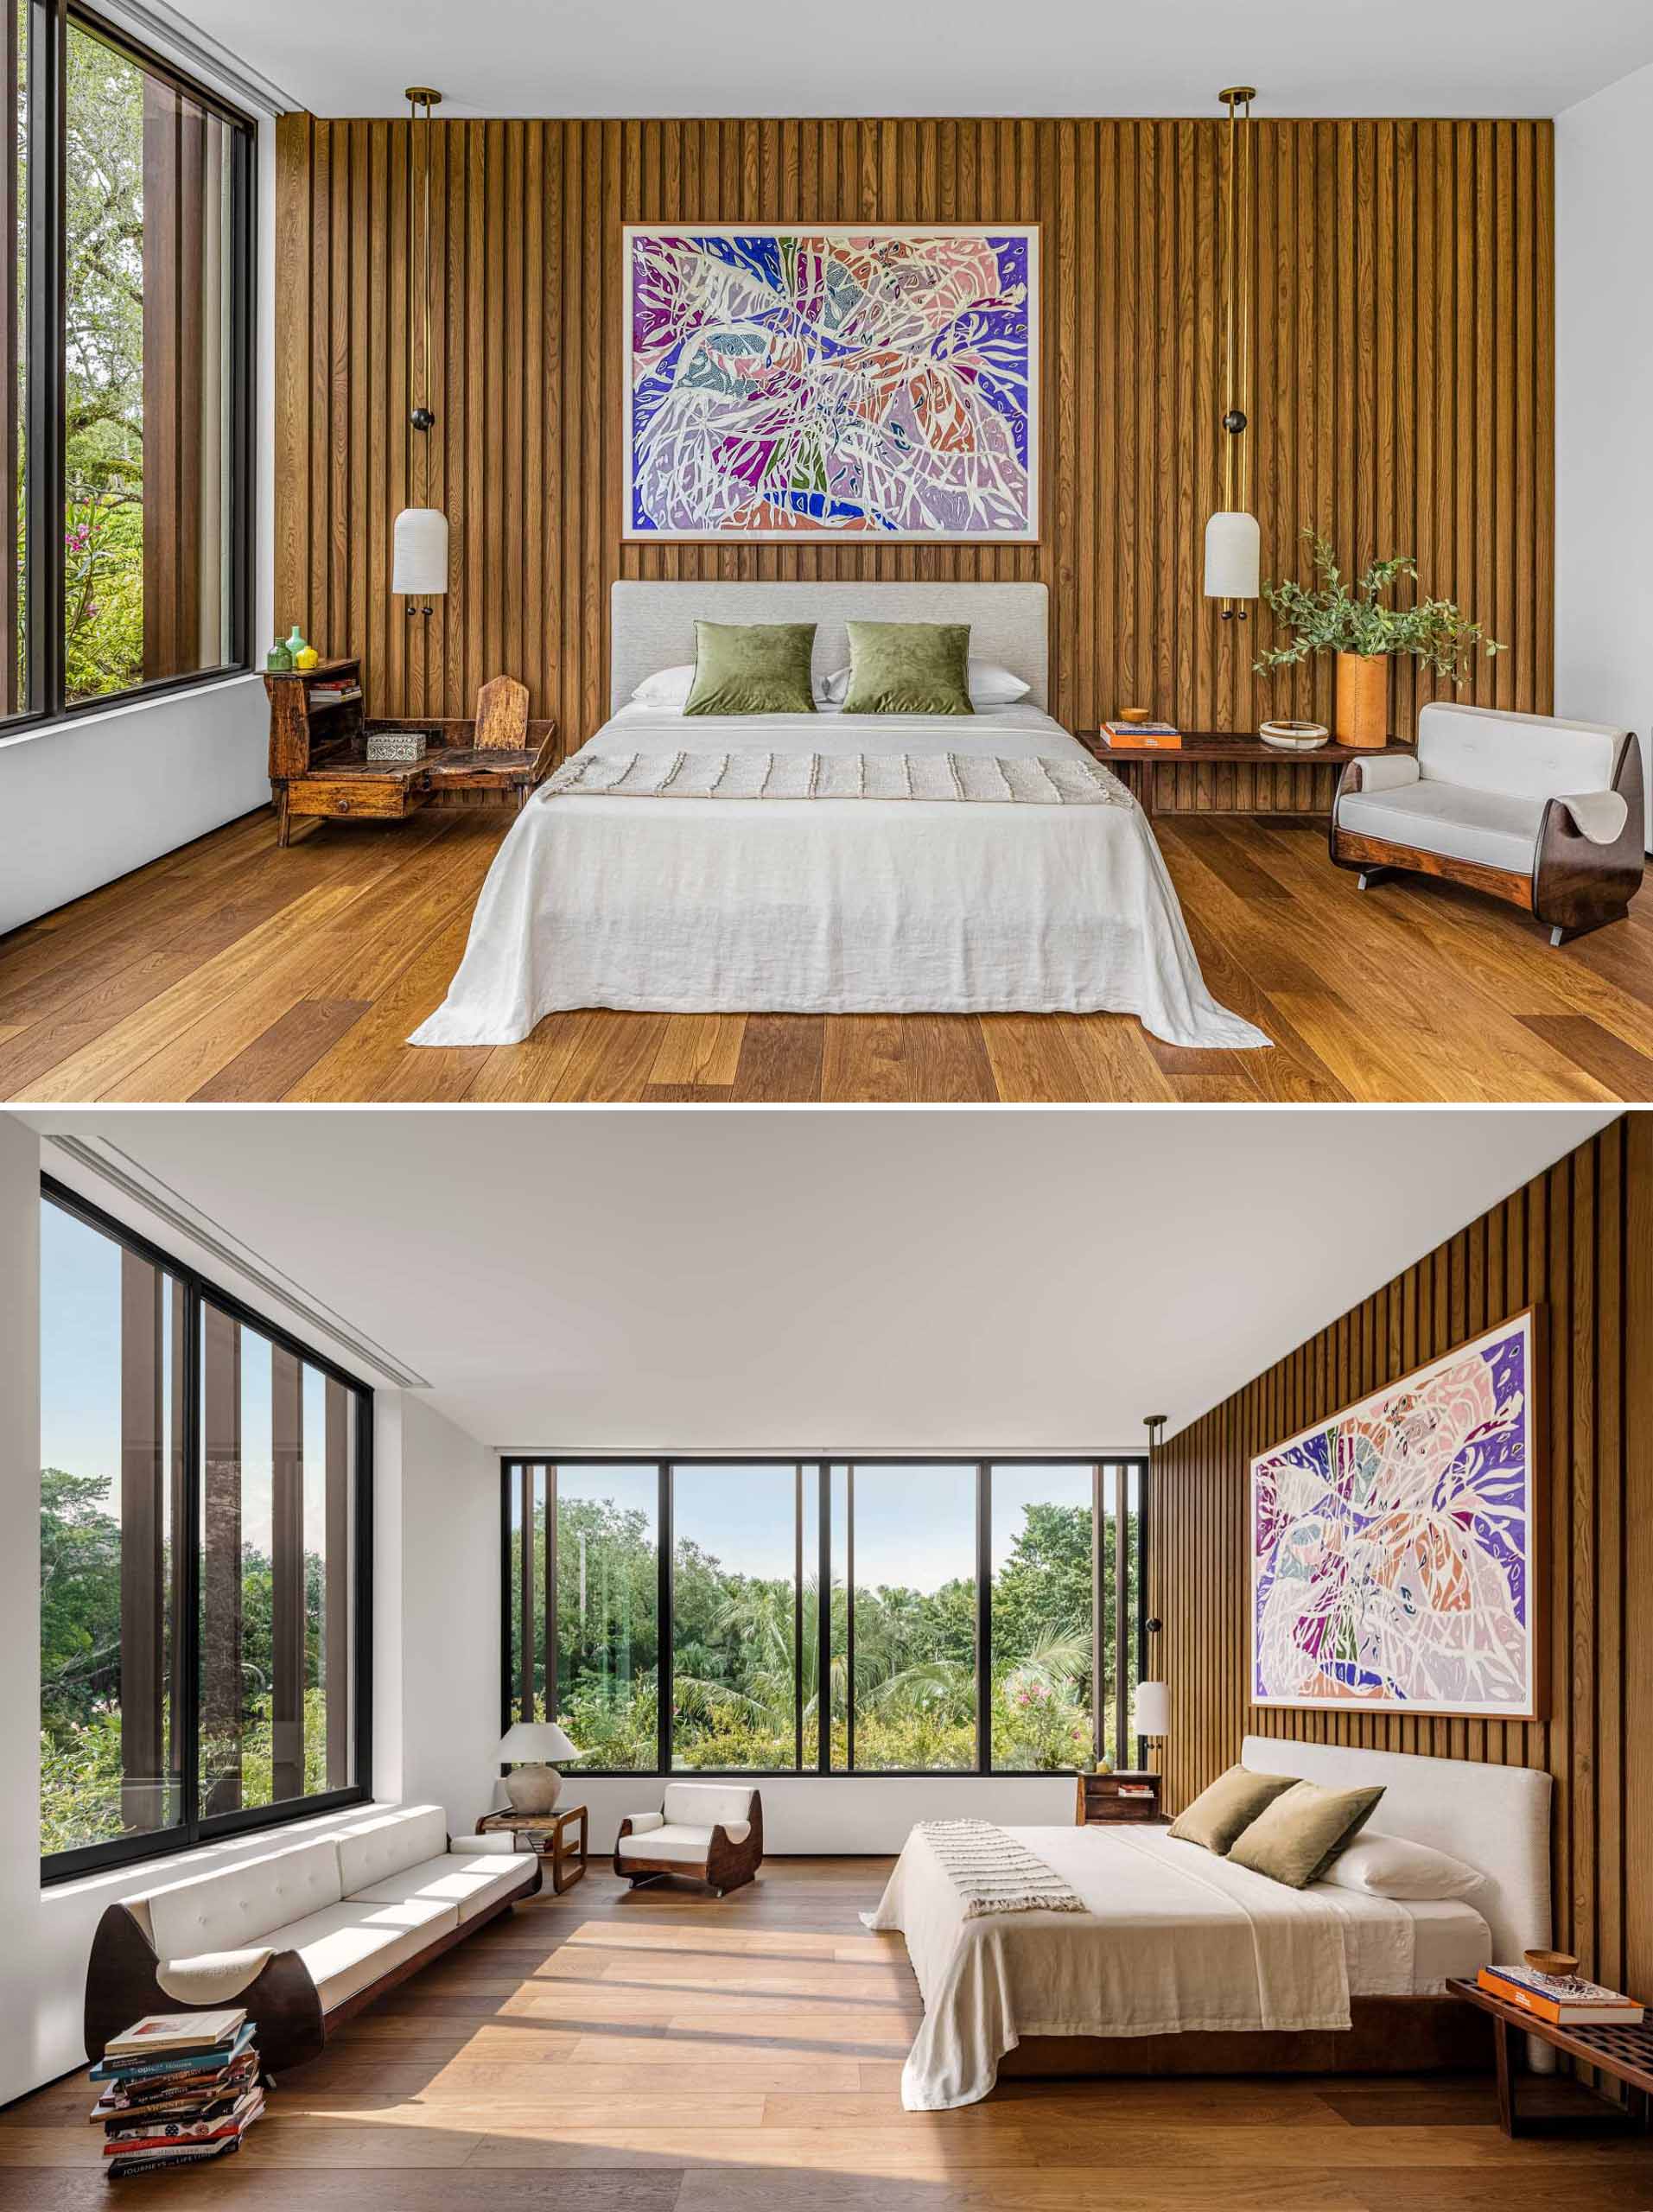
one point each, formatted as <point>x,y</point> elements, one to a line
<point>1365,635</point>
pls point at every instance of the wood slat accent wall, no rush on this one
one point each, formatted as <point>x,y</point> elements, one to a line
<point>1579,1241</point>
<point>1403,383</point>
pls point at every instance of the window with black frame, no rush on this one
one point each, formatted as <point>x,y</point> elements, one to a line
<point>205,1551</point>
<point>126,223</point>
<point>980,1616</point>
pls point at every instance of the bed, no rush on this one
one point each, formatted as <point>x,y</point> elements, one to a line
<point>829,905</point>
<point>1182,1963</point>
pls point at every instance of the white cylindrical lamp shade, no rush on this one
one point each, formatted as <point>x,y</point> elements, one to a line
<point>1153,1709</point>
<point>419,564</point>
<point>1233,555</point>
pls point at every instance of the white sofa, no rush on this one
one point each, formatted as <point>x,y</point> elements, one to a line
<point>1545,814</point>
<point>302,1936</point>
<point>711,1832</point>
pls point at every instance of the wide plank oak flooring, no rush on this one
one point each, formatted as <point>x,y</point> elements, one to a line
<point>663,2051</point>
<point>233,971</point>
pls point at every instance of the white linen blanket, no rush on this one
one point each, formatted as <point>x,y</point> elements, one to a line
<point>834,908</point>
<point>994,1871</point>
<point>750,773</point>
<point>1172,1939</point>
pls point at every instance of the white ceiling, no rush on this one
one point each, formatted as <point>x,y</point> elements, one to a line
<point>832,1281</point>
<point>970,57</point>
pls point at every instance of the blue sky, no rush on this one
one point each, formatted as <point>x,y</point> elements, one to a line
<point>80,1274</point>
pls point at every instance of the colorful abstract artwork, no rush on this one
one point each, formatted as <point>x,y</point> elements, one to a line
<point>873,382</point>
<point>1393,1561</point>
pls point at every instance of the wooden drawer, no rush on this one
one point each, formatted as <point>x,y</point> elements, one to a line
<point>1098,1798</point>
<point>381,797</point>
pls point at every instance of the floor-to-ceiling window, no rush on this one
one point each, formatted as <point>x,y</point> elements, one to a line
<point>980,1616</point>
<point>205,1503</point>
<point>126,222</point>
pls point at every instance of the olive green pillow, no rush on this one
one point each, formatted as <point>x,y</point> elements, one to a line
<point>751,668</point>
<point>1223,1811</point>
<point>909,668</point>
<point>1296,1838</point>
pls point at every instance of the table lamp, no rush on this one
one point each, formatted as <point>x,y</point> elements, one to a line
<point>534,1787</point>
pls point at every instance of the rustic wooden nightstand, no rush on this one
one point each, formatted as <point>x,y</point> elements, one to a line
<point>319,765</point>
<point>1102,1797</point>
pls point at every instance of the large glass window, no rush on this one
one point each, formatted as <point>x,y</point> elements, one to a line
<point>111,1499</point>
<point>912,1534</point>
<point>129,435</point>
<point>1045,1600</point>
<point>973,1619</point>
<point>201,1573</point>
<point>278,1511</point>
<point>590,1593</point>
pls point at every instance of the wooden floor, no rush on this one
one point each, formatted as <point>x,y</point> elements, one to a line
<point>663,2051</point>
<point>233,971</point>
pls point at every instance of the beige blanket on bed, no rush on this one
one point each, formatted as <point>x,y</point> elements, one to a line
<point>985,779</point>
<point>1172,1940</point>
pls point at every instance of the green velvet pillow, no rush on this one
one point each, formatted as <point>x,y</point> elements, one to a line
<point>751,668</point>
<point>909,668</point>
<point>1227,1808</point>
<point>1295,1839</point>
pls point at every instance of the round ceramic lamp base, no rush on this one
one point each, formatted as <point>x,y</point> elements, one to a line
<point>533,1788</point>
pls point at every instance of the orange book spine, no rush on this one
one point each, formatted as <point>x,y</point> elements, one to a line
<point>1526,2000</point>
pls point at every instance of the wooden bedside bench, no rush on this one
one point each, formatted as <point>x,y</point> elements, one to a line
<point>1623,2053</point>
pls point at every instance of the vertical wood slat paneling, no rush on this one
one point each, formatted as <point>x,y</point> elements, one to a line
<point>1579,1241</point>
<point>1402,388</point>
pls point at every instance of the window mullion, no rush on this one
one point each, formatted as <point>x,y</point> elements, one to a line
<point>983,1617</point>
<point>47,373</point>
<point>187,1578</point>
<point>666,1627</point>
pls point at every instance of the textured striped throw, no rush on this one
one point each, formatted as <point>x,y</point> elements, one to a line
<point>995,1873</point>
<point>985,781</point>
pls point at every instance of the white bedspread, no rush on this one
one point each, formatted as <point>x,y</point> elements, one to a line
<point>1173,1940</point>
<point>835,907</point>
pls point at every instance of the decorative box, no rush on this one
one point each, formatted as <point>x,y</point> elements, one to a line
<point>398,744</point>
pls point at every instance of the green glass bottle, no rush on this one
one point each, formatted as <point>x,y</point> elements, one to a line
<point>279,659</point>
<point>296,644</point>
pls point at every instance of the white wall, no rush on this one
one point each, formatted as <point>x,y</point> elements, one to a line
<point>85,801</point>
<point>843,1815</point>
<point>1604,413</point>
<point>436,1611</point>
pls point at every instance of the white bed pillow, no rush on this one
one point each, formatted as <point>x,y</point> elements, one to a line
<point>990,686</point>
<point>668,688</point>
<point>1389,1866</point>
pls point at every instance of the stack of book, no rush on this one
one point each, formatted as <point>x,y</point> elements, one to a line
<point>1565,2000</point>
<point>177,2089</point>
<point>1142,737</point>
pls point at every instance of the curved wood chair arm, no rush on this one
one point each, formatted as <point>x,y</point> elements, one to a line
<point>122,1986</point>
<point>1577,884</point>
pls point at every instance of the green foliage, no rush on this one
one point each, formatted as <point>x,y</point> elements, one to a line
<point>736,1651</point>
<point>80,1669</point>
<point>1330,617</point>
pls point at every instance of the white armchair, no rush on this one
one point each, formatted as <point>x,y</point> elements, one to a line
<point>711,1832</point>
<point>1546,814</point>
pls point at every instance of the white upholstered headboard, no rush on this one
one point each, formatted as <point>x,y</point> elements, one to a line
<point>653,624</point>
<point>1494,1818</point>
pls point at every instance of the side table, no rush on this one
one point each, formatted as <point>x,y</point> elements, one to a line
<point>1625,2053</point>
<point>548,1833</point>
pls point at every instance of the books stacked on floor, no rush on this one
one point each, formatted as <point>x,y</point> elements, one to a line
<point>177,2089</point>
<point>1142,737</point>
<point>1567,2000</point>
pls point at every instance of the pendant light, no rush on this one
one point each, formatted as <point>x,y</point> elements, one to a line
<point>1233,541</point>
<point>419,559</point>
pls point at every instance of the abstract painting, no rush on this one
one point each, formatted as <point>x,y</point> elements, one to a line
<point>791,382</point>
<point>1393,1545</point>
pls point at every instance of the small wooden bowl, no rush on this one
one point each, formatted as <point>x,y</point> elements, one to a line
<point>1553,1962</point>
<point>1135,715</point>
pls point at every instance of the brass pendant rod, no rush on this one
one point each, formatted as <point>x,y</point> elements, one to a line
<point>1244,439</point>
